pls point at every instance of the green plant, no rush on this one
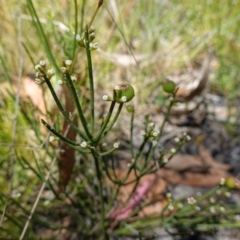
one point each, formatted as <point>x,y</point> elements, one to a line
<point>88,203</point>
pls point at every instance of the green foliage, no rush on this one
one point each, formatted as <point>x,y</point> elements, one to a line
<point>50,31</point>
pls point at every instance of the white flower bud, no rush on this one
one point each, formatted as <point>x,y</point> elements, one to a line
<point>165,160</point>
<point>169,195</point>
<point>117,87</point>
<point>42,63</point>
<point>212,200</point>
<point>91,29</point>
<point>222,181</point>
<point>39,81</point>
<point>177,140</point>
<point>116,145</point>
<point>212,209</point>
<point>106,98</point>
<point>151,125</point>
<point>180,205</point>
<point>50,73</point>
<point>154,143</point>
<point>63,69</point>
<point>84,144</point>
<point>73,78</point>
<point>60,82</point>
<point>51,138</point>
<point>143,133</point>
<point>198,209</point>
<point>222,209</point>
<point>170,207</point>
<point>123,98</point>
<point>155,133</point>
<point>38,67</point>
<point>93,46</point>
<point>78,38</point>
<point>68,62</point>
<point>188,138</point>
<point>173,150</point>
<point>191,200</point>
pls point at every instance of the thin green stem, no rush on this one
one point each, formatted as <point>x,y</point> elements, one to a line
<point>106,121</point>
<point>82,15</point>
<point>42,34</point>
<point>64,139</point>
<point>131,134</point>
<point>90,73</point>
<point>114,119</point>
<point>78,105</point>
<point>75,28</point>
<point>63,111</point>
<point>100,190</point>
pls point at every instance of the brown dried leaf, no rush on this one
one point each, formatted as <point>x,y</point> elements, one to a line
<point>149,190</point>
<point>67,155</point>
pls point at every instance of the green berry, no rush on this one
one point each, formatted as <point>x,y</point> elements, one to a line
<point>169,87</point>
<point>123,92</point>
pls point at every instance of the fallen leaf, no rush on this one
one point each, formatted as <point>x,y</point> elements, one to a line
<point>67,155</point>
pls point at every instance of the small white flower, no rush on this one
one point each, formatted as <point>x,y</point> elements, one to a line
<point>93,46</point>
<point>212,200</point>
<point>171,99</point>
<point>222,181</point>
<point>17,195</point>
<point>91,29</point>
<point>155,133</point>
<point>78,38</point>
<point>46,202</point>
<point>188,138</point>
<point>83,144</point>
<point>198,209</point>
<point>39,74</point>
<point>129,165</point>
<point>105,97</point>
<point>38,67</point>
<point>170,207</point>
<point>50,72</point>
<point>180,205</point>
<point>116,145</point>
<point>237,217</point>
<point>151,125</point>
<point>73,78</point>
<point>212,209</point>
<point>191,200</point>
<point>177,140</point>
<point>39,81</point>
<point>165,160</point>
<point>228,194</point>
<point>154,143</point>
<point>60,81</point>
<point>43,63</point>
<point>173,150</point>
<point>222,209</point>
<point>219,192</point>
<point>68,62</point>
<point>184,134</point>
<point>63,69</point>
<point>51,138</point>
<point>169,195</point>
<point>117,87</point>
<point>123,98</point>
<point>143,133</point>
